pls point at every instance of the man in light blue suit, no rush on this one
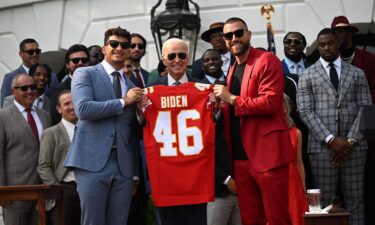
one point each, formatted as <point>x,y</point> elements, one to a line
<point>103,152</point>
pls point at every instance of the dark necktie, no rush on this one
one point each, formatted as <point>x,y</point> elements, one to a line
<point>177,83</point>
<point>117,84</point>
<point>139,78</point>
<point>333,76</point>
<point>31,121</point>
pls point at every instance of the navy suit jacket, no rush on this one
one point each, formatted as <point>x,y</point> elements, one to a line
<point>6,88</point>
<point>145,75</point>
<point>197,71</point>
<point>164,81</point>
<point>101,116</point>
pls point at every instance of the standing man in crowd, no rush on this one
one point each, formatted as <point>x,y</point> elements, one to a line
<point>53,149</point>
<point>256,128</point>
<point>96,54</point>
<point>138,50</point>
<point>21,125</point>
<point>330,96</point>
<point>103,153</point>
<point>77,56</point>
<point>214,36</point>
<point>29,54</point>
<point>224,210</point>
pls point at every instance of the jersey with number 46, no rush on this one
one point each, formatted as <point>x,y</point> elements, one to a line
<point>179,138</point>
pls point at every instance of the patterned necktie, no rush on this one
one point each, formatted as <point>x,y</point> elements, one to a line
<point>139,79</point>
<point>333,76</point>
<point>31,121</point>
<point>177,83</point>
<point>116,84</point>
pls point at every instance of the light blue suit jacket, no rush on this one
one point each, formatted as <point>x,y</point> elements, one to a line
<point>100,116</point>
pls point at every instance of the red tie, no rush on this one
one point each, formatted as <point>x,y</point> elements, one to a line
<point>139,79</point>
<point>31,121</point>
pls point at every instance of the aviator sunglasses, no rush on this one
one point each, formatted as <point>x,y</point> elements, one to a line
<point>181,55</point>
<point>229,36</point>
<point>26,87</point>
<point>115,44</point>
<point>76,60</point>
<point>33,51</point>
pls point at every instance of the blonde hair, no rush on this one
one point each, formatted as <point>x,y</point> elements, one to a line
<point>287,110</point>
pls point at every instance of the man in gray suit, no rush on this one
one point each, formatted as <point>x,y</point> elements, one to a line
<point>53,149</point>
<point>21,125</point>
<point>330,96</point>
<point>103,152</point>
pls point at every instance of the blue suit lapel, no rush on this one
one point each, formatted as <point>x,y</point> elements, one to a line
<point>105,80</point>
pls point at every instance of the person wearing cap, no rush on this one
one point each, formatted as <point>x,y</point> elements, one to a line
<point>355,56</point>
<point>214,36</point>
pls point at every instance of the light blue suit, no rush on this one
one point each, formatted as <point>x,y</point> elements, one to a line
<point>104,176</point>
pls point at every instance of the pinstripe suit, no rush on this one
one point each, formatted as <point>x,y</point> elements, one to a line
<point>326,111</point>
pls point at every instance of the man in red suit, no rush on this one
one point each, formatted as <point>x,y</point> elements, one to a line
<point>258,133</point>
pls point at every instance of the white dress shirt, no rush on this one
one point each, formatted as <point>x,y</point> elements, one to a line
<point>182,80</point>
<point>109,69</point>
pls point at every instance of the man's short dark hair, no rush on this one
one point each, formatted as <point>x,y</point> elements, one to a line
<point>61,94</point>
<point>296,32</point>
<point>327,31</point>
<point>118,31</point>
<point>211,50</point>
<point>76,48</point>
<point>141,37</point>
<point>45,66</point>
<point>26,41</point>
<point>93,46</point>
<point>236,19</point>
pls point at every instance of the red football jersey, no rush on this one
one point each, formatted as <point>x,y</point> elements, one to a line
<point>179,138</point>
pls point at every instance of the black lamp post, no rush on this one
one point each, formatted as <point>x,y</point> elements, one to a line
<point>176,21</point>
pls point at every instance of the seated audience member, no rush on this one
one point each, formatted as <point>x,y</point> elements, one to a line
<point>41,73</point>
<point>54,146</point>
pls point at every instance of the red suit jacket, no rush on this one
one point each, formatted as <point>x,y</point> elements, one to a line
<point>366,61</point>
<point>264,132</point>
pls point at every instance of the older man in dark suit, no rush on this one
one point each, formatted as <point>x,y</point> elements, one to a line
<point>21,125</point>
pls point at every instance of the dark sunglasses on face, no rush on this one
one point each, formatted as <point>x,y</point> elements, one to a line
<point>96,55</point>
<point>181,55</point>
<point>294,41</point>
<point>140,46</point>
<point>26,87</point>
<point>217,34</point>
<point>229,36</point>
<point>76,60</point>
<point>115,44</point>
<point>33,51</point>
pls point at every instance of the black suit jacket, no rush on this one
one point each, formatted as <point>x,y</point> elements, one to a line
<point>144,74</point>
<point>164,81</point>
<point>223,167</point>
<point>66,85</point>
<point>197,71</point>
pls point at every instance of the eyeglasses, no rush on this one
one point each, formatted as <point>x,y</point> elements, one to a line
<point>181,55</point>
<point>76,60</point>
<point>229,36</point>
<point>33,51</point>
<point>140,46</point>
<point>115,44</point>
<point>293,41</point>
<point>26,87</point>
<point>216,35</point>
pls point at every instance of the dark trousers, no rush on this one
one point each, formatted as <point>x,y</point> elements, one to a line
<point>72,209</point>
<point>184,214</point>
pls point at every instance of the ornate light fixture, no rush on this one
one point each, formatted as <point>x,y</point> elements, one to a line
<point>176,21</point>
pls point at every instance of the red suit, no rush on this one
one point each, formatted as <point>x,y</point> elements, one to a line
<point>366,61</point>
<point>262,180</point>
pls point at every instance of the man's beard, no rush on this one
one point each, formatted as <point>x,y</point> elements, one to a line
<point>244,48</point>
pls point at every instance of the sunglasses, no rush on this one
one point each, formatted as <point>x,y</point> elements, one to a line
<point>76,60</point>
<point>26,87</point>
<point>181,55</point>
<point>115,44</point>
<point>140,46</point>
<point>33,51</point>
<point>292,41</point>
<point>216,35</point>
<point>96,55</point>
<point>229,36</point>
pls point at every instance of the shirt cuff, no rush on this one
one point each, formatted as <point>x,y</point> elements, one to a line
<point>328,138</point>
<point>227,180</point>
<point>122,102</point>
